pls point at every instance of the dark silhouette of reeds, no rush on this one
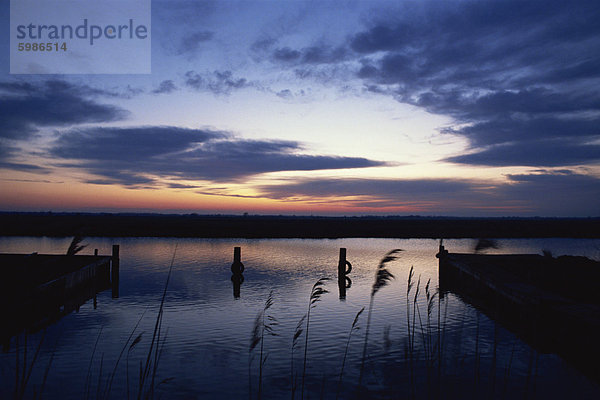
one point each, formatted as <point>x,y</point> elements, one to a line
<point>114,371</point>
<point>76,246</point>
<point>353,328</point>
<point>88,378</point>
<point>263,324</point>
<point>23,373</point>
<point>131,346</point>
<point>154,351</point>
<point>315,296</point>
<point>382,278</point>
<point>297,334</point>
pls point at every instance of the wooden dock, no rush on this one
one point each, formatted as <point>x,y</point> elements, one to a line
<point>38,289</point>
<point>550,302</point>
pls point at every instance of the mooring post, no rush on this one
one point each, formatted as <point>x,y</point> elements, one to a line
<point>237,268</point>
<point>115,271</point>
<point>342,264</point>
<point>95,252</point>
<point>344,268</point>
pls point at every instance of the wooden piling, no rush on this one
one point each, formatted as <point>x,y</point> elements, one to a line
<point>237,267</point>
<point>344,268</point>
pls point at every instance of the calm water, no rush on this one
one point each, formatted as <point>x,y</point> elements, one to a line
<point>207,331</point>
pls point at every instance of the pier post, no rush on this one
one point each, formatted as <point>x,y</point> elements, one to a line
<point>237,268</point>
<point>115,271</point>
<point>96,252</point>
<point>344,268</point>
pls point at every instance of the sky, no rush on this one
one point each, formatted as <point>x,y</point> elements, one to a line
<point>458,108</point>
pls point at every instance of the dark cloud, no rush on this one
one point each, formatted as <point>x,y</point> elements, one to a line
<point>219,82</point>
<point>167,86</point>
<point>505,68</point>
<point>286,54</point>
<point>545,193</point>
<point>22,167</point>
<point>285,94</point>
<point>191,42</point>
<point>512,130</point>
<point>25,107</point>
<point>140,143</point>
<point>140,155</point>
<point>182,186</point>
<point>563,193</point>
<point>321,54</point>
<point>263,44</point>
<point>381,189</point>
<point>533,153</point>
<point>508,72</point>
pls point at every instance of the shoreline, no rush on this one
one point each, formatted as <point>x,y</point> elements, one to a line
<point>255,227</point>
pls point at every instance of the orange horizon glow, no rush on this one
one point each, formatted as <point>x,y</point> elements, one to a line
<point>77,197</point>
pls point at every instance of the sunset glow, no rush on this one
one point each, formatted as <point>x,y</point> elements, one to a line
<point>467,108</point>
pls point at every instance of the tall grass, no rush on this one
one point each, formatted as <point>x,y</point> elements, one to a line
<point>353,328</point>
<point>297,334</point>
<point>263,324</point>
<point>315,296</point>
<point>382,278</point>
<point>145,388</point>
<point>76,246</point>
<point>23,373</point>
<point>114,371</point>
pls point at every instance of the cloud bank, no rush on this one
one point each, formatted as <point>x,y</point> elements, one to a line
<point>143,155</point>
<point>518,78</point>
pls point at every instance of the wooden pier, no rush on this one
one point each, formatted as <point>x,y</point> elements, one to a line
<point>551,303</point>
<point>37,289</point>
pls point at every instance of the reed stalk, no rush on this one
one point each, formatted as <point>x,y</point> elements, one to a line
<point>352,329</point>
<point>315,296</point>
<point>131,346</point>
<point>153,349</point>
<point>263,324</point>
<point>88,378</point>
<point>23,373</point>
<point>297,334</point>
<point>382,278</point>
<point>268,328</point>
<point>112,375</point>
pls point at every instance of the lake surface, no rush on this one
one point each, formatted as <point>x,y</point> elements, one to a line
<point>206,330</point>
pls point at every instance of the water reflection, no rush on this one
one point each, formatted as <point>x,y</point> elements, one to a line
<point>208,330</point>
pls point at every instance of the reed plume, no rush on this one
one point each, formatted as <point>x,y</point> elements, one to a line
<point>408,289</point>
<point>254,341</point>
<point>315,296</point>
<point>430,304</point>
<point>131,346</point>
<point>297,334</point>
<point>382,278</point>
<point>263,324</point>
<point>75,246</point>
<point>112,376</point>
